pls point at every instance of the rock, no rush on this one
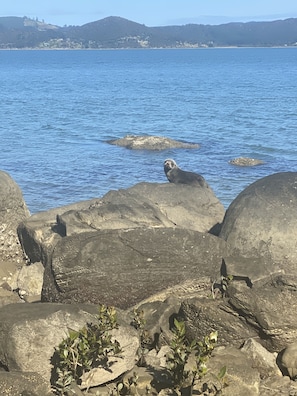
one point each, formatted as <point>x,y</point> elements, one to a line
<point>145,377</point>
<point>263,360</point>
<point>261,223</point>
<point>241,378</point>
<point>25,384</point>
<point>263,312</point>
<point>267,308</point>
<point>28,281</point>
<point>123,267</point>
<point>243,161</point>
<point>289,359</point>
<point>278,386</point>
<point>13,210</point>
<point>39,233</point>
<point>135,142</point>
<point>158,318</point>
<point>30,333</point>
<point>12,205</point>
<point>143,205</point>
<point>8,297</point>
<point>154,205</point>
<point>204,315</point>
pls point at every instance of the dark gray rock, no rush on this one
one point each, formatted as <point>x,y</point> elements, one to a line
<point>143,205</point>
<point>151,143</point>
<point>204,315</point>
<point>261,224</point>
<point>123,267</point>
<point>267,308</point>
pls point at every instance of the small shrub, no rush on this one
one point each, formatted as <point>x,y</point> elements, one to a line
<point>85,349</point>
<point>139,322</point>
<point>183,374</point>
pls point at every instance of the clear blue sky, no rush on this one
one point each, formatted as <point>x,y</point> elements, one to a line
<point>151,12</point>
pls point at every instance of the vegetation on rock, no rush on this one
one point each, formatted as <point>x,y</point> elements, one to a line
<point>85,349</point>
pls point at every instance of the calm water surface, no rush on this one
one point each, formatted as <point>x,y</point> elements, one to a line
<point>58,108</point>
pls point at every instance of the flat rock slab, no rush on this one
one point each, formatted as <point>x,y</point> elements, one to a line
<point>124,267</point>
<point>157,143</point>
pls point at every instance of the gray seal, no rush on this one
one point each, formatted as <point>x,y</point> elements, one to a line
<point>176,175</point>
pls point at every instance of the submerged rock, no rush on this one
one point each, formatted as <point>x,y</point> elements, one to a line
<point>151,143</point>
<point>244,161</point>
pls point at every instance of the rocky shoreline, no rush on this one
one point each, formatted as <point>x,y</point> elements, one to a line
<point>168,251</point>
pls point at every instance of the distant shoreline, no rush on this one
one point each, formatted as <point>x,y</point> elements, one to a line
<point>145,49</point>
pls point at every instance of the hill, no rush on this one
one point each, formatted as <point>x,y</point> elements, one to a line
<point>116,32</point>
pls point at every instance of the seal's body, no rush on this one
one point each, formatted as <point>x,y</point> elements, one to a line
<point>178,176</point>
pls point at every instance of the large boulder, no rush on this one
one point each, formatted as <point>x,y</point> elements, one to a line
<point>13,208</point>
<point>260,226</point>
<point>141,206</point>
<point>31,332</point>
<point>122,267</point>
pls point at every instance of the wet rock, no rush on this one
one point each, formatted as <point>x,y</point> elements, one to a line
<point>244,161</point>
<point>158,143</point>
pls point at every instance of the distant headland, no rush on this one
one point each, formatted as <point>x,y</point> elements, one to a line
<point>119,33</point>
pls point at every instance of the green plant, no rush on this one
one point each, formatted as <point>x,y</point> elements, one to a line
<point>182,372</point>
<point>139,322</point>
<point>85,349</point>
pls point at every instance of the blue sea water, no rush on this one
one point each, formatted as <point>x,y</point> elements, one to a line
<point>58,109</point>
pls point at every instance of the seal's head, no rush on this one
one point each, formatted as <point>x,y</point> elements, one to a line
<point>169,164</point>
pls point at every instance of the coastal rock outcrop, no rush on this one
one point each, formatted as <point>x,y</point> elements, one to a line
<point>152,248</point>
<point>260,226</point>
<point>157,143</point>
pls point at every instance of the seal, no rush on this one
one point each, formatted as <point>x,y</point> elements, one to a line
<point>176,175</point>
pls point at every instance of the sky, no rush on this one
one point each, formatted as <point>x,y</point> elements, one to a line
<point>151,12</point>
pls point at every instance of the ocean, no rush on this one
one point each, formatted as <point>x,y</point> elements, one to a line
<point>59,108</point>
